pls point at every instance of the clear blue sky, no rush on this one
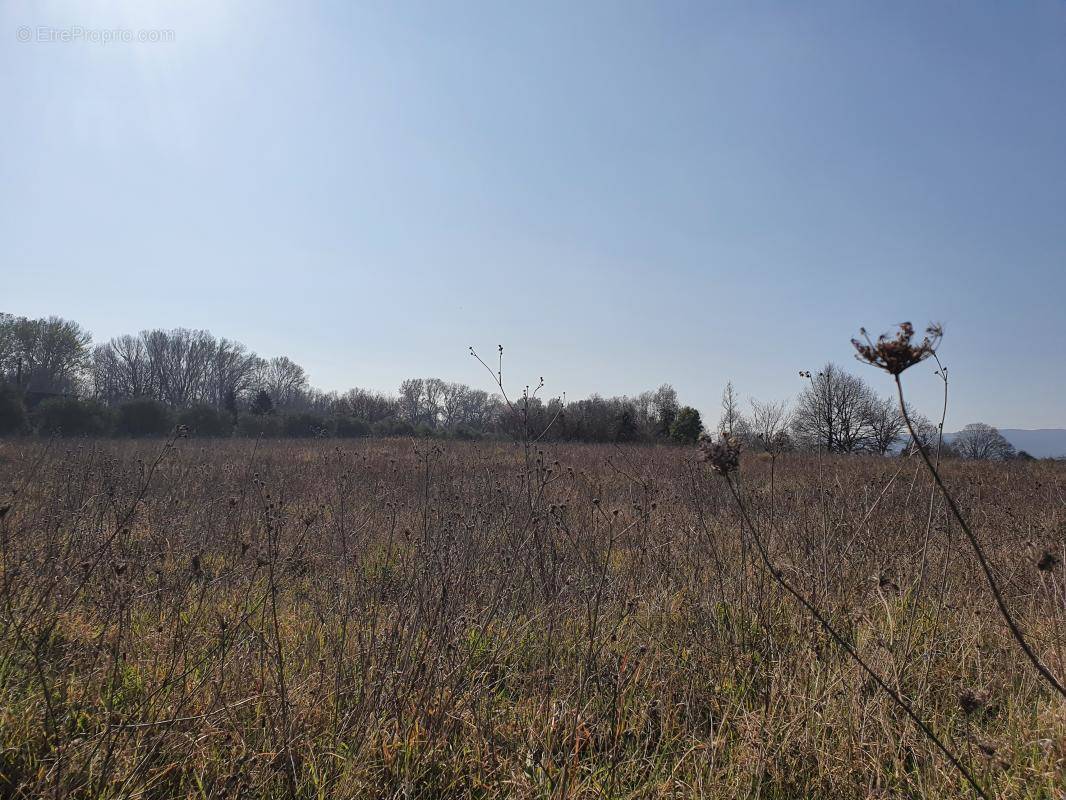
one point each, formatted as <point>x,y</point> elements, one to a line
<point>621,193</point>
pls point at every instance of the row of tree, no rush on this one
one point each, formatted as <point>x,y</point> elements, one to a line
<point>141,383</point>
<point>838,412</point>
<point>147,383</point>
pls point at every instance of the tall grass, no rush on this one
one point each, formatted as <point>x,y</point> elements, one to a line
<point>398,619</point>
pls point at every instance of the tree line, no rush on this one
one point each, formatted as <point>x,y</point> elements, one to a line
<point>57,382</point>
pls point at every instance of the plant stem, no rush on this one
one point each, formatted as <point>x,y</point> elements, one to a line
<point>1016,632</point>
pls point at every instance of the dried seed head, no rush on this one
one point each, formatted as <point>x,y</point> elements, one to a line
<point>723,456</point>
<point>971,701</point>
<point>1048,561</point>
<point>894,355</point>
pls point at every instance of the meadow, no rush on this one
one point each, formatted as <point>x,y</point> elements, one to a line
<point>423,619</point>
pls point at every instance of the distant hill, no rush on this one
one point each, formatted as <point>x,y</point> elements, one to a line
<point>1040,443</point>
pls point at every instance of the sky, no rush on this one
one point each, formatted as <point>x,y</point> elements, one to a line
<point>621,194</point>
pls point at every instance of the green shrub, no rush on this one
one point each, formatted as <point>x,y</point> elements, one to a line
<point>206,421</point>
<point>69,416</point>
<point>144,417</point>
<point>255,425</point>
<point>465,433</point>
<point>351,427</point>
<point>393,427</point>
<point>12,411</point>
<point>305,425</point>
<point>262,404</point>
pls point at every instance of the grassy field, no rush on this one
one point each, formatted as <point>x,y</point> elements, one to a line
<point>419,619</point>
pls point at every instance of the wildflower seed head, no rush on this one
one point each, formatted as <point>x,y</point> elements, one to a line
<point>971,701</point>
<point>1047,562</point>
<point>723,455</point>
<point>895,354</point>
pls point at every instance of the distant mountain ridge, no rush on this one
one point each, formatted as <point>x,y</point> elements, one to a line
<point>1039,443</point>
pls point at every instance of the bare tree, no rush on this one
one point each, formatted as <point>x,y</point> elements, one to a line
<point>367,406</point>
<point>665,406</point>
<point>885,424</point>
<point>317,401</point>
<point>980,441</point>
<point>643,407</point>
<point>851,402</point>
<point>120,369</point>
<point>178,367</point>
<point>732,422</point>
<point>283,379</point>
<point>769,425</point>
<point>452,404</point>
<point>832,412</point>
<point>927,435</point>
<point>412,407</point>
<point>478,408</point>
<point>230,372</point>
<point>178,362</point>
<point>433,390</point>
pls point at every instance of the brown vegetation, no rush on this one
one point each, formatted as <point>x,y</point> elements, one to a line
<point>398,619</point>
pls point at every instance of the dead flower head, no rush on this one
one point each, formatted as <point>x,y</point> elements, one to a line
<point>971,701</point>
<point>1047,562</point>
<point>895,354</point>
<point>723,456</point>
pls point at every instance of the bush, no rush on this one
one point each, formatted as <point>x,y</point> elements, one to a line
<point>304,425</point>
<point>393,427</point>
<point>351,427</point>
<point>68,416</point>
<point>205,421</point>
<point>466,433</point>
<point>12,411</point>
<point>262,404</point>
<point>256,425</point>
<point>144,417</point>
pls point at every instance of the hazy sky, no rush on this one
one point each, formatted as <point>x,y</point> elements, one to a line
<point>621,193</point>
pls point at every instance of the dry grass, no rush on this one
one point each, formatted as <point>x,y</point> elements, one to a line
<point>388,619</point>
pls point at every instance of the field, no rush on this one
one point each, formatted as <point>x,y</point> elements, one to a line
<point>400,618</point>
